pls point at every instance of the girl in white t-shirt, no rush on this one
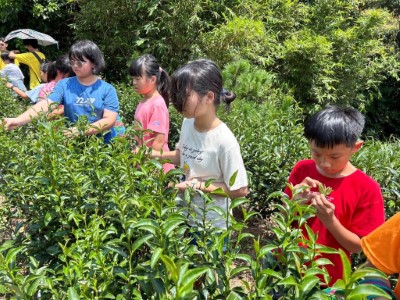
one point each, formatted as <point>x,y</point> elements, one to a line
<point>207,149</point>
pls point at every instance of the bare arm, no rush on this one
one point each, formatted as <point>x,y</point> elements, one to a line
<point>201,185</point>
<point>349,240</point>
<point>20,93</point>
<point>27,116</point>
<point>158,141</point>
<point>107,122</point>
<point>173,156</point>
<point>12,55</point>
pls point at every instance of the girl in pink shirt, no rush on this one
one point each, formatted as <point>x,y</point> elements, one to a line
<point>57,70</point>
<point>152,82</point>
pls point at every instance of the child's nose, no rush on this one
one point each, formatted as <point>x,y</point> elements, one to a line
<point>324,162</point>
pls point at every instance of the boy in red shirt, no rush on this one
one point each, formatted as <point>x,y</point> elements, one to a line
<point>355,206</point>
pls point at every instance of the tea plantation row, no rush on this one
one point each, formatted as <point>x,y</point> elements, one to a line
<point>84,220</point>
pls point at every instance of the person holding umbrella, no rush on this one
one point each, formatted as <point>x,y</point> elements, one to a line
<point>33,59</point>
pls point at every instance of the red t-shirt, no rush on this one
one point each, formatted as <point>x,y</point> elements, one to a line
<point>358,204</point>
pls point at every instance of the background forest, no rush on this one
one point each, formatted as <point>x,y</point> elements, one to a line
<point>78,221</point>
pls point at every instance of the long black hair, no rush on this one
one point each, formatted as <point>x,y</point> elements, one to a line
<point>148,65</point>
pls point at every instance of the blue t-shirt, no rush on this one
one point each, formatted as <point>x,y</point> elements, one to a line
<point>89,100</point>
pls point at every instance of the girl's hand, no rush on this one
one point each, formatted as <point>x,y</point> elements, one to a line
<point>182,186</point>
<point>9,85</point>
<point>10,123</point>
<point>71,132</point>
<point>193,183</point>
<point>135,150</point>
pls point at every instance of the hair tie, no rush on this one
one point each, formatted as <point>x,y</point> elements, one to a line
<point>223,92</point>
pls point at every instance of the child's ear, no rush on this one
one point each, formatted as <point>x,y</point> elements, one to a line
<point>210,96</point>
<point>358,145</point>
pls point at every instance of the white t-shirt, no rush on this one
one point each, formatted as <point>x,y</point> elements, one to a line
<point>211,155</point>
<point>12,72</point>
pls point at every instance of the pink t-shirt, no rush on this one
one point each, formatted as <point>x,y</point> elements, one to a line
<point>358,207</point>
<point>153,115</point>
<point>46,90</point>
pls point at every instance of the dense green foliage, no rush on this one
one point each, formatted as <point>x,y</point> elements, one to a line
<point>80,219</point>
<point>166,29</point>
<point>327,51</point>
<point>86,222</point>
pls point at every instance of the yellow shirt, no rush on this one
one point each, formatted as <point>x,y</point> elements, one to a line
<point>2,64</point>
<point>34,66</point>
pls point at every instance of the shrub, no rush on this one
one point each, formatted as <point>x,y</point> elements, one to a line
<point>10,105</point>
<point>271,138</point>
<point>243,39</point>
<point>325,51</point>
<point>248,82</point>
<point>89,220</point>
<point>379,160</point>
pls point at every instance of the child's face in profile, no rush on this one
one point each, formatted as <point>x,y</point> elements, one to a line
<point>144,84</point>
<point>334,162</point>
<point>43,76</point>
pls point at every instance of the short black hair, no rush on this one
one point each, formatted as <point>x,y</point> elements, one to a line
<point>334,126</point>
<point>4,56</point>
<point>31,42</point>
<point>89,50</point>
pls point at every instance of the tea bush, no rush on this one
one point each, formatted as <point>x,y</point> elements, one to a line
<point>9,104</point>
<point>271,139</point>
<point>86,220</point>
<point>379,160</point>
<point>89,221</point>
<point>270,133</point>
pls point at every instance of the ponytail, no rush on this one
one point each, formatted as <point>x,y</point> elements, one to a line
<point>51,71</point>
<point>227,97</point>
<point>163,85</point>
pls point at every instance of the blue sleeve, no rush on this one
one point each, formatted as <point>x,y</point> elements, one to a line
<point>111,99</point>
<point>57,95</point>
